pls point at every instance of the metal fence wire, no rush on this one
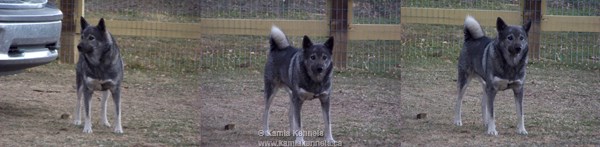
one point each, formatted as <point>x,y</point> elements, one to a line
<point>235,35</point>
<point>153,35</point>
<point>567,31</point>
<point>189,36</point>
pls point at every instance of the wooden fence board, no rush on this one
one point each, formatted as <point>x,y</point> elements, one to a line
<point>263,26</point>
<point>561,23</point>
<point>457,16</point>
<point>375,32</point>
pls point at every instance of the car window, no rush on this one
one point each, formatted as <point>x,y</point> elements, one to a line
<point>22,4</point>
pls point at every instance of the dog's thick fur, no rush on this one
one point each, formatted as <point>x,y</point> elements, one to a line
<point>498,63</point>
<point>100,68</point>
<point>305,73</point>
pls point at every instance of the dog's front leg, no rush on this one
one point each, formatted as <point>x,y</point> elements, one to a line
<point>77,115</point>
<point>518,91</point>
<point>104,118</point>
<point>324,97</point>
<point>490,91</point>
<point>116,95</point>
<point>297,123</point>
<point>87,103</point>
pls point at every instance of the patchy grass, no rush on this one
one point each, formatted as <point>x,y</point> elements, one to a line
<point>168,55</point>
<point>423,45</point>
<point>157,110</point>
<point>560,107</point>
<point>363,109</point>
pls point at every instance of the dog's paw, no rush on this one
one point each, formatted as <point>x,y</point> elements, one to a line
<point>299,142</point>
<point>458,122</point>
<point>491,128</point>
<point>330,141</point>
<point>77,122</point>
<point>492,132</point>
<point>87,129</point>
<point>119,130</point>
<point>266,133</point>
<point>522,131</point>
<point>106,124</point>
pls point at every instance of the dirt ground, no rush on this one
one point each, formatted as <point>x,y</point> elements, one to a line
<point>157,110</point>
<point>364,110</point>
<point>561,108</point>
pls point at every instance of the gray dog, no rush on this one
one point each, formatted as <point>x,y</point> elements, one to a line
<point>305,73</point>
<point>100,68</point>
<point>499,64</point>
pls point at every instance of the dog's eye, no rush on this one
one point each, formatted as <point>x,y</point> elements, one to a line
<point>313,57</point>
<point>510,37</point>
<point>91,38</point>
<point>324,57</point>
<point>521,38</point>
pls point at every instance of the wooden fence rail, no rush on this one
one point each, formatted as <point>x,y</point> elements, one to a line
<point>409,15</point>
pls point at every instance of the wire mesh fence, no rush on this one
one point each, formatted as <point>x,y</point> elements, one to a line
<point>235,45</point>
<point>159,36</point>
<point>579,47</point>
<point>237,32</point>
<point>567,30</point>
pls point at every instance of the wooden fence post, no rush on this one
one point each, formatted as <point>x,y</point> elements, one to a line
<point>72,10</point>
<point>533,10</point>
<point>339,21</point>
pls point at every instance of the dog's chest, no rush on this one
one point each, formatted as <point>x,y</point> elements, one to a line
<point>99,85</point>
<point>503,84</point>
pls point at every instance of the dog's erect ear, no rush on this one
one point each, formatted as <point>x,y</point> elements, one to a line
<point>306,43</point>
<point>500,24</point>
<point>329,44</point>
<point>527,26</point>
<point>84,24</point>
<point>101,25</point>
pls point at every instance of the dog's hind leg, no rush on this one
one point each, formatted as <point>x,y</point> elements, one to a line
<point>87,103</point>
<point>462,83</point>
<point>116,95</point>
<point>519,104</point>
<point>104,98</point>
<point>326,118</point>
<point>77,115</point>
<point>270,91</point>
<point>484,113</point>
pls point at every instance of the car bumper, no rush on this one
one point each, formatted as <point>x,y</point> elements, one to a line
<point>26,44</point>
<point>29,58</point>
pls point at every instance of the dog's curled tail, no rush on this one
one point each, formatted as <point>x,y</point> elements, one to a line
<point>278,39</point>
<point>472,29</point>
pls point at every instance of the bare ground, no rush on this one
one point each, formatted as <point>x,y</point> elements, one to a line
<point>364,110</point>
<point>561,108</point>
<point>157,110</point>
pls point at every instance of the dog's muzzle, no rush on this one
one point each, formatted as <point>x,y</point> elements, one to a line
<point>515,50</point>
<point>82,49</point>
<point>319,69</point>
<point>79,48</point>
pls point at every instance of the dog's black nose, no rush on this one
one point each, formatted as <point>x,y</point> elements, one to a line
<point>79,48</point>
<point>319,69</point>
<point>515,50</point>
